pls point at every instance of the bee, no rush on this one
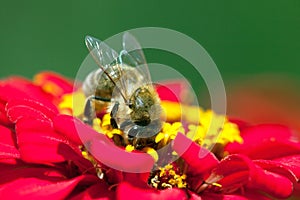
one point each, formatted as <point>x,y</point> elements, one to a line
<point>123,85</point>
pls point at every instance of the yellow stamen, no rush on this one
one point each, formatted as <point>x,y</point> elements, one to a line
<point>213,129</point>
<point>129,148</point>
<point>168,177</point>
<point>76,106</point>
<point>172,110</point>
<point>151,152</point>
<point>106,120</point>
<point>216,184</point>
<point>168,133</point>
<point>52,88</point>
<point>204,127</point>
<point>96,125</point>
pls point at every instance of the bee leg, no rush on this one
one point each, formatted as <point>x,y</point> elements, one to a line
<point>113,114</point>
<point>89,111</point>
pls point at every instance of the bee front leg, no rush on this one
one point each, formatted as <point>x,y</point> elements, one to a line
<point>89,113</point>
<point>113,113</point>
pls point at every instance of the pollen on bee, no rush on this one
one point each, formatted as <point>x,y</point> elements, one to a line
<point>129,148</point>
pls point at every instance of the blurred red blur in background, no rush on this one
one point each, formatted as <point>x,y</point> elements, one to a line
<point>267,98</point>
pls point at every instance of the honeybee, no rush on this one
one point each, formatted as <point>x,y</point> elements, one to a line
<point>122,83</point>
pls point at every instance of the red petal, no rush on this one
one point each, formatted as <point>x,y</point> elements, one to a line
<point>265,142</point>
<point>37,138</point>
<point>59,85</point>
<point>194,196</point>
<point>116,176</point>
<point>200,160</point>
<point>128,191</point>
<point>238,168</point>
<point>241,124</point>
<point>39,151</point>
<point>16,87</point>
<point>111,155</point>
<point>172,90</point>
<point>245,196</point>
<point>3,117</point>
<point>272,149</point>
<point>98,191</point>
<point>39,143</point>
<point>34,188</point>
<point>65,125</point>
<point>10,173</point>
<point>7,137</point>
<point>286,166</point>
<point>271,183</point>
<point>28,108</point>
<point>8,150</point>
<point>136,177</point>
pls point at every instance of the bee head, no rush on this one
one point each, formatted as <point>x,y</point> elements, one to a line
<point>140,103</point>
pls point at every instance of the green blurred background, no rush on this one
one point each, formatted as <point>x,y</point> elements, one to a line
<point>244,38</point>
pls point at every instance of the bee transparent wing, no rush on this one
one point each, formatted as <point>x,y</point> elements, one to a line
<point>133,47</point>
<point>105,57</point>
<point>101,52</point>
<point>133,55</point>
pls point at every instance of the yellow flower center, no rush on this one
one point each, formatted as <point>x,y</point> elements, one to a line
<point>203,127</point>
<point>168,176</point>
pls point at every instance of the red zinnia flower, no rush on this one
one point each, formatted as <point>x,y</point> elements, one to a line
<point>42,155</point>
